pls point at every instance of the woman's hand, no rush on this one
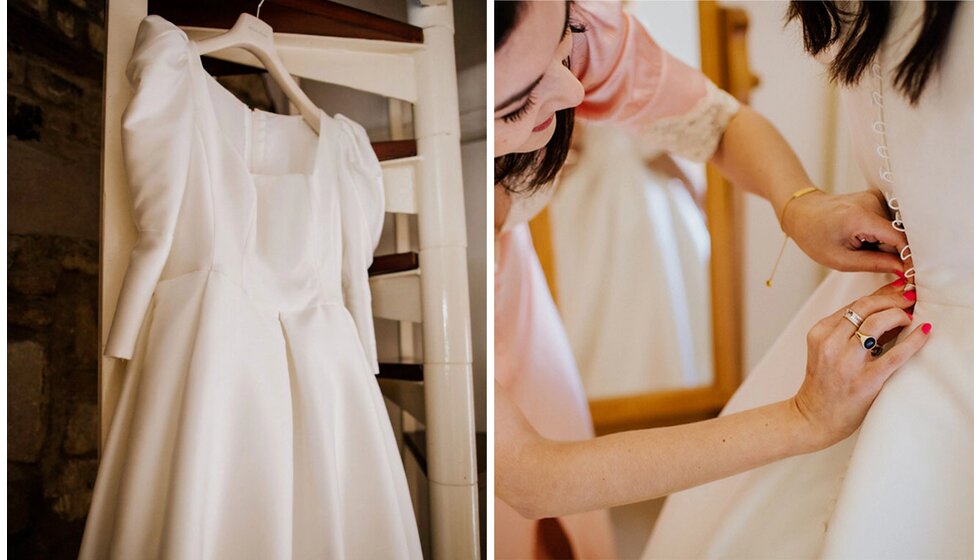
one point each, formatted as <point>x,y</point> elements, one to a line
<point>829,228</point>
<point>842,378</point>
<point>840,231</point>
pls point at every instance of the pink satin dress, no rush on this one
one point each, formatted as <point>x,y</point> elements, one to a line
<point>631,81</point>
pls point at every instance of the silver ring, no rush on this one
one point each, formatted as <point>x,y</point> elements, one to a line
<point>854,318</point>
<point>869,343</point>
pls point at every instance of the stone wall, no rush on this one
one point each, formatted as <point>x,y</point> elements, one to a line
<point>52,382</point>
<point>55,51</point>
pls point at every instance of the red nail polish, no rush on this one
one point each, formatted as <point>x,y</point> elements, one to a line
<point>899,282</point>
<point>909,314</point>
<point>926,327</point>
<point>909,295</point>
<point>899,273</point>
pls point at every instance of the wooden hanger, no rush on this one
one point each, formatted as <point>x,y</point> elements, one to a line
<point>256,36</point>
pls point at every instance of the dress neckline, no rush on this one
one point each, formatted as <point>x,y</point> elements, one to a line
<point>211,110</point>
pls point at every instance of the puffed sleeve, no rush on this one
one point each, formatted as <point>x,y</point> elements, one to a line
<point>362,218</point>
<point>157,132</point>
<point>629,79</point>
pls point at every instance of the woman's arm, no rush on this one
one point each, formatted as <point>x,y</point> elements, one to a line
<point>829,228</point>
<point>628,79</point>
<point>753,155</point>
<point>544,478</point>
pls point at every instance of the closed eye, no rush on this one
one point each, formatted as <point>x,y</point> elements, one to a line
<point>519,113</point>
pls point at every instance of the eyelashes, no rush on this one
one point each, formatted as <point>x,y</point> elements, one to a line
<point>521,111</point>
<point>573,27</point>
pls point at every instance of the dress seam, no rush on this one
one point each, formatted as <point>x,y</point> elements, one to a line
<point>231,280</point>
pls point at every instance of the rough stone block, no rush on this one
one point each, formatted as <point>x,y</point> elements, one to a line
<point>66,23</point>
<point>50,86</point>
<point>83,429</point>
<point>39,6</point>
<point>97,37</point>
<point>81,262</point>
<point>26,401</point>
<point>23,119</point>
<point>86,334</point>
<point>27,315</point>
<point>37,278</point>
<point>71,489</point>
<point>16,69</point>
<point>21,488</point>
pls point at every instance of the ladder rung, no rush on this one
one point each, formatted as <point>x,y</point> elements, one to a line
<point>394,149</point>
<point>219,67</point>
<point>397,262</point>
<point>303,17</point>
<point>401,371</point>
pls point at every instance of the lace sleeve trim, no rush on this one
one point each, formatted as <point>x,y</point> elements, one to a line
<point>695,134</point>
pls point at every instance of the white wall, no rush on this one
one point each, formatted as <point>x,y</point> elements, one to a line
<point>673,24</point>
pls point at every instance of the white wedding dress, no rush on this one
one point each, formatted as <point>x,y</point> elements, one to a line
<point>902,485</point>
<point>250,424</point>
<point>640,235</point>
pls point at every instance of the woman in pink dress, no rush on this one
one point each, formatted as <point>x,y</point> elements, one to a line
<point>556,61</point>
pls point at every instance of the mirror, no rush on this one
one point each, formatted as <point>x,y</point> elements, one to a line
<point>641,253</point>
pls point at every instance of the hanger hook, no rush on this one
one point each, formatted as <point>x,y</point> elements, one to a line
<point>259,9</point>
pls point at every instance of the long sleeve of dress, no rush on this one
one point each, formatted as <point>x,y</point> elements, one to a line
<point>628,78</point>
<point>362,217</point>
<point>157,139</point>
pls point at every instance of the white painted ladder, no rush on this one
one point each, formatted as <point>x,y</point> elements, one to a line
<point>429,185</point>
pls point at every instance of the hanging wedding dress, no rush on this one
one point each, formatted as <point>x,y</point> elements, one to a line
<point>637,234</point>
<point>250,424</point>
<point>902,485</point>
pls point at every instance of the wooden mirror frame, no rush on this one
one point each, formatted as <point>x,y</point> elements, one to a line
<point>724,59</point>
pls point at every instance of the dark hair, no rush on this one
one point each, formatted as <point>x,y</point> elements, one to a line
<point>861,33</point>
<point>527,172</point>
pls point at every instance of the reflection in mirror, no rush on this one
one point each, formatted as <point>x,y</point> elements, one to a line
<point>630,266</point>
<point>651,306</point>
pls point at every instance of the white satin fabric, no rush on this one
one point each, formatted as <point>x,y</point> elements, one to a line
<point>249,424</point>
<point>631,260</point>
<point>902,486</point>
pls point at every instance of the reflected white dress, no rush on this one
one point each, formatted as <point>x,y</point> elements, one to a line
<point>250,424</point>
<point>902,485</point>
<point>631,252</point>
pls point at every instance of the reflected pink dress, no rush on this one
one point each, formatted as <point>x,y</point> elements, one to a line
<point>631,81</point>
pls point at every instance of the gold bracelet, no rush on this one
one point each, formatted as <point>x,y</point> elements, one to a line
<point>782,215</point>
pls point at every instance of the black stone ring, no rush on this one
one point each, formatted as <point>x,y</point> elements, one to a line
<point>868,342</point>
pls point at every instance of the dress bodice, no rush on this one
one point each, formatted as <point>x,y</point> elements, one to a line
<point>921,157</point>
<point>289,216</point>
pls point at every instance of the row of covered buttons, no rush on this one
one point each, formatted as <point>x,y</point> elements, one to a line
<point>885,171</point>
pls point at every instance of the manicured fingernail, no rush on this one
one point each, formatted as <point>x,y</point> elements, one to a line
<point>900,273</point>
<point>909,314</point>
<point>899,282</point>
<point>909,295</point>
<point>926,327</point>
